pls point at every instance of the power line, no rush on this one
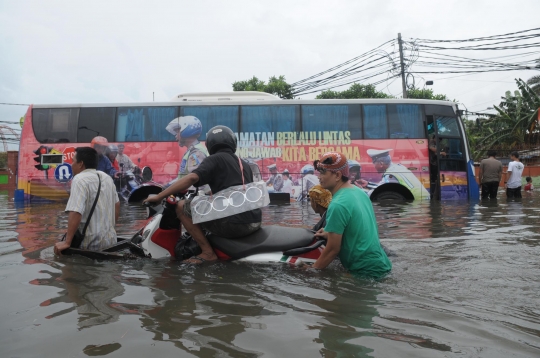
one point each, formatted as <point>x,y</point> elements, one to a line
<point>429,56</point>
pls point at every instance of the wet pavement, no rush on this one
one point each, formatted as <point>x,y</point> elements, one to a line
<point>465,283</point>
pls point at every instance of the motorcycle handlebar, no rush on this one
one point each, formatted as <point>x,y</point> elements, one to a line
<point>149,204</point>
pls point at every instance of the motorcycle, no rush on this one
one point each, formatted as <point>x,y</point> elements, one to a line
<point>159,237</point>
<point>134,185</point>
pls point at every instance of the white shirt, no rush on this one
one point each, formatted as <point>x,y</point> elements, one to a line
<point>308,182</point>
<point>287,186</point>
<point>100,232</point>
<point>515,178</point>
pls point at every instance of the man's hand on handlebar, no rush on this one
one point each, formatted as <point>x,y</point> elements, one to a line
<point>152,199</point>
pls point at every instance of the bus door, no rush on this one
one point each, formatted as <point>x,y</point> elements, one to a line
<point>448,165</point>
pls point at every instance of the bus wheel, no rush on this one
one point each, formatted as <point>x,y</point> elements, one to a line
<point>389,195</point>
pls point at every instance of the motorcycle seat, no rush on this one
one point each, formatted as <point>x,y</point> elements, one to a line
<point>265,240</point>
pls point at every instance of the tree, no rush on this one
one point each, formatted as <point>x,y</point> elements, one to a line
<point>516,122</point>
<point>425,93</point>
<point>276,86</point>
<point>355,91</point>
<point>534,81</point>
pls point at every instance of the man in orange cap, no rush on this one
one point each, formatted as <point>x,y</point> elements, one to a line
<point>351,228</point>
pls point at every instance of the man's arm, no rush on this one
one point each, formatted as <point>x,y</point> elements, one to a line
<point>116,211</point>
<point>480,173</point>
<point>176,187</point>
<point>508,173</point>
<point>74,219</point>
<point>331,250</point>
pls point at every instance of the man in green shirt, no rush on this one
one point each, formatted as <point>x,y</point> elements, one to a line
<point>351,228</point>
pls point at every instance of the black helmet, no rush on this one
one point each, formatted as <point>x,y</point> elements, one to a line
<point>220,137</point>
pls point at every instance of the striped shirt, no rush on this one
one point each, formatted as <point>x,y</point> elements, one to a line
<point>100,232</point>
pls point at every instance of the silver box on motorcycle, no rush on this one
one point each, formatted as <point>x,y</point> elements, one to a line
<point>230,201</point>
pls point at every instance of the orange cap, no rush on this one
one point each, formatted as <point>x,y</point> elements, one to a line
<point>99,140</point>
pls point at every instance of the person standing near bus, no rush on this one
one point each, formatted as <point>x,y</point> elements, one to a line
<point>490,175</point>
<point>396,173</point>
<point>351,227</point>
<point>187,130</point>
<point>123,160</point>
<point>513,177</point>
<point>100,144</point>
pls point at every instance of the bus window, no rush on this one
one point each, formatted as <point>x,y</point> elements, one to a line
<point>211,116</point>
<point>405,121</point>
<point>55,125</point>
<point>432,109</point>
<point>270,118</point>
<point>144,124</point>
<point>96,121</point>
<point>332,117</point>
<point>375,123</point>
<point>448,127</point>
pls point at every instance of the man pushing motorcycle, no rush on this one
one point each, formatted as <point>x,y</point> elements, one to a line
<point>220,170</point>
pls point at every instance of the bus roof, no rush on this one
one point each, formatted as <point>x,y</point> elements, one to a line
<point>225,96</point>
<point>214,99</point>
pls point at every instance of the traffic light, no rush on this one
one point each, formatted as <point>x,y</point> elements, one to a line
<point>39,152</point>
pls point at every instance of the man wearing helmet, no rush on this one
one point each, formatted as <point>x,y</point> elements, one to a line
<point>355,170</point>
<point>309,179</point>
<point>220,170</point>
<point>112,152</point>
<point>187,130</point>
<point>100,144</point>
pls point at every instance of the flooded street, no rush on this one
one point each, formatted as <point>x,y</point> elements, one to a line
<point>465,283</point>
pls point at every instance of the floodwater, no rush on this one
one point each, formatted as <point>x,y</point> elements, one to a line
<point>465,283</point>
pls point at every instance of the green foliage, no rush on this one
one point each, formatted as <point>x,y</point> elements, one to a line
<point>514,126</point>
<point>425,93</point>
<point>3,159</point>
<point>355,91</point>
<point>276,86</point>
<point>534,81</point>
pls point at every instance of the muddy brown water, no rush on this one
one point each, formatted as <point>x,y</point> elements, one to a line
<point>465,283</point>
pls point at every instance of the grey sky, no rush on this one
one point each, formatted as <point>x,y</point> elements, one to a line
<point>122,51</point>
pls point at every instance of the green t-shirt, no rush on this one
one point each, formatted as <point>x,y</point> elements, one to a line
<point>351,214</point>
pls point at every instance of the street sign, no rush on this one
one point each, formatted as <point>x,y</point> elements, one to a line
<point>63,173</point>
<point>69,152</point>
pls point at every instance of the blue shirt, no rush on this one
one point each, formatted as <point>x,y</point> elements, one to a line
<point>104,165</point>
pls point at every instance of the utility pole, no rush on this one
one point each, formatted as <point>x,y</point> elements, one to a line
<point>403,86</point>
